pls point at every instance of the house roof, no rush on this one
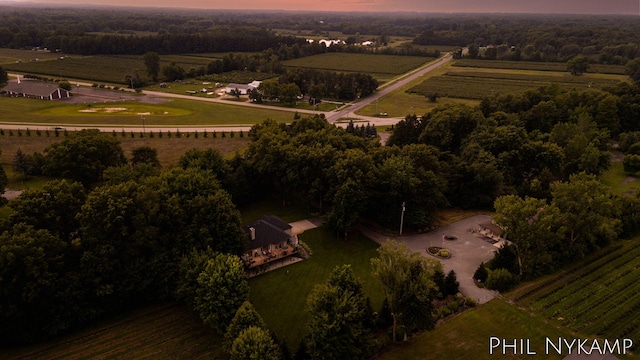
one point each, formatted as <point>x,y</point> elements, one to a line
<point>30,87</point>
<point>268,229</point>
<point>240,86</point>
<point>491,227</point>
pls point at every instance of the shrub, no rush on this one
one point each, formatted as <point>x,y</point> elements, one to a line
<point>481,273</point>
<point>445,253</point>
<point>500,280</point>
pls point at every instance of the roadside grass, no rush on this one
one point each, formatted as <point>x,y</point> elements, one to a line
<point>160,331</point>
<point>400,103</point>
<point>169,149</point>
<point>619,181</point>
<point>186,113</point>
<point>280,295</point>
<point>466,336</point>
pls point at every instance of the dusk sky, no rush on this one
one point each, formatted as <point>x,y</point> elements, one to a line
<point>503,6</point>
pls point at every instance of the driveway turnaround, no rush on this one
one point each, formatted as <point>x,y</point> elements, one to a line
<point>468,250</point>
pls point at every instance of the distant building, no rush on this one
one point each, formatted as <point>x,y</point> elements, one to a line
<point>243,88</point>
<point>35,90</point>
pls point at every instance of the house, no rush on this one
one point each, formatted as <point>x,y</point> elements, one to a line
<point>492,233</point>
<point>269,240</point>
<point>243,88</point>
<point>35,90</point>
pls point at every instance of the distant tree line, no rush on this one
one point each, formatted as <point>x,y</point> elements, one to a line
<point>534,38</point>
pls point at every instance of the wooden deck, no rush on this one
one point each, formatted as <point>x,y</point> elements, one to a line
<point>276,254</point>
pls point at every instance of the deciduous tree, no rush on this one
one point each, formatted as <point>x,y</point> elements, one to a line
<point>255,343</point>
<point>222,289</point>
<point>338,327</point>
<point>407,281</point>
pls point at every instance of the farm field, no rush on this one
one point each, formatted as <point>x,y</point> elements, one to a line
<point>280,295</point>
<point>479,83</point>
<point>162,331</point>
<point>98,68</point>
<point>169,149</point>
<point>401,102</point>
<point>539,66</point>
<point>177,112</point>
<point>381,67</point>
<point>597,297</point>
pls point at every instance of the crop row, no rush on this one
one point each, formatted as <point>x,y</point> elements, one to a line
<point>476,87</point>
<point>584,283</point>
<point>618,317</point>
<point>564,79</point>
<point>364,63</point>
<point>536,66</point>
<point>168,332</point>
<point>552,284</point>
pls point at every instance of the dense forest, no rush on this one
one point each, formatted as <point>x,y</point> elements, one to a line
<point>494,36</point>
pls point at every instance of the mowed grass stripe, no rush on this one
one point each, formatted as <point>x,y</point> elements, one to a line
<point>129,331</point>
<point>170,329</point>
<point>136,337</point>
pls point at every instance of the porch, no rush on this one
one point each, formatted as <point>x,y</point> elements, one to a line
<point>266,256</point>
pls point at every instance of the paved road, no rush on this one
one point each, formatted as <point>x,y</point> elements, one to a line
<point>468,251</point>
<point>349,111</point>
<point>346,111</point>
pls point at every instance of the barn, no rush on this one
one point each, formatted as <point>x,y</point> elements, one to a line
<point>35,90</point>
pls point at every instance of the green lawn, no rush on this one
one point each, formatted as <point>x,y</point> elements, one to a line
<point>619,181</point>
<point>467,335</point>
<point>280,295</point>
<point>177,112</point>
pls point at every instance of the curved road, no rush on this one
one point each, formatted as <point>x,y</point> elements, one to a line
<point>347,110</point>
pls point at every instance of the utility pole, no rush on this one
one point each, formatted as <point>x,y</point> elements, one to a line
<point>402,218</point>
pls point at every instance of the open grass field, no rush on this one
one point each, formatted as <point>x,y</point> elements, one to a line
<point>479,83</point>
<point>169,149</point>
<point>597,297</point>
<point>280,295</point>
<point>177,112</point>
<point>619,181</point>
<point>169,331</point>
<point>539,66</point>
<point>466,336</point>
<point>381,67</point>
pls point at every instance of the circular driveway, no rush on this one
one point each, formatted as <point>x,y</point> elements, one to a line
<point>467,252</point>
